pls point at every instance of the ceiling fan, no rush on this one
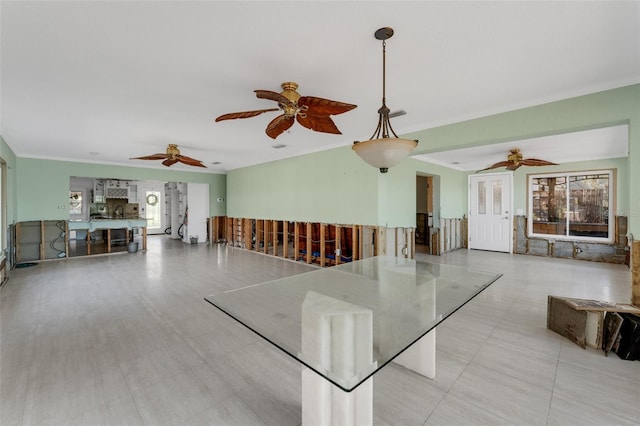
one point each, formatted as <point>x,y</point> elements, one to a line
<point>515,160</point>
<point>310,111</point>
<point>171,157</point>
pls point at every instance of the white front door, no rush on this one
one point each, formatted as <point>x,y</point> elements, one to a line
<point>151,202</point>
<point>490,212</point>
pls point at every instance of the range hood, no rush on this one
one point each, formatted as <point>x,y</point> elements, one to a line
<point>117,192</point>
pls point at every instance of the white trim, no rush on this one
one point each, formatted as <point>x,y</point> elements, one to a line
<point>612,208</point>
<point>509,175</point>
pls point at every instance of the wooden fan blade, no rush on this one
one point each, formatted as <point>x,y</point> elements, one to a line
<point>274,96</point>
<point>497,165</point>
<point>169,162</point>
<point>320,106</point>
<point>151,157</point>
<point>189,161</point>
<point>244,114</point>
<point>514,166</point>
<point>319,123</point>
<point>536,162</point>
<point>279,125</point>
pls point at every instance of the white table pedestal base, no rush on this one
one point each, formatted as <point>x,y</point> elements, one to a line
<point>421,356</point>
<point>338,337</point>
<point>325,404</point>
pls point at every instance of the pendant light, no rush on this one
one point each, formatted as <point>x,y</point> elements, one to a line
<point>383,151</point>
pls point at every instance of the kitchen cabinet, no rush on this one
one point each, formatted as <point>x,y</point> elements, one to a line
<point>117,189</point>
<point>98,191</point>
<point>40,239</point>
<point>133,193</point>
<point>102,236</point>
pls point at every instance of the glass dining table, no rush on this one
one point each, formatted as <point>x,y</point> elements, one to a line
<point>345,323</point>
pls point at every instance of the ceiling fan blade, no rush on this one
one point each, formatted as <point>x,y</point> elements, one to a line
<point>274,96</point>
<point>498,165</point>
<point>319,123</point>
<point>320,106</point>
<point>169,162</point>
<point>244,114</point>
<point>190,161</point>
<point>279,125</point>
<point>514,166</point>
<point>151,157</point>
<point>536,162</point>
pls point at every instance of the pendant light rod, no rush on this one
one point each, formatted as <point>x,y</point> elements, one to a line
<point>384,123</point>
<point>382,151</point>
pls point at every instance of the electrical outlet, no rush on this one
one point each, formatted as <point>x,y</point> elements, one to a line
<point>405,250</point>
<point>338,251</point>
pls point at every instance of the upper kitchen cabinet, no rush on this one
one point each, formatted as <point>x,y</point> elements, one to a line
<point>117,189</point>
<point>114,188</point>
<point>133,192</point>
<point>98,191</point>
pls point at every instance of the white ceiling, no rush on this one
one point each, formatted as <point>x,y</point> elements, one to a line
<point>105,81</point>
<point>607,142</point>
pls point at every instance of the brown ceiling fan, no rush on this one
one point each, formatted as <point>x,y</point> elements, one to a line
<point>311,112</point>
<point>171,157</point>
<point>515,160</point>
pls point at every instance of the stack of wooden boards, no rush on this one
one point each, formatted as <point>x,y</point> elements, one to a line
<point>612,327</point>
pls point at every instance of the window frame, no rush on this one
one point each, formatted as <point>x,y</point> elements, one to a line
<point>84,215</point>
<point>567,175</point>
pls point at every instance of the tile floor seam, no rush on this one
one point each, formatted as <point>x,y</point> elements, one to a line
<point>553,388</point>
<point>159,296</point>
<point>622,415</point>
<point>26,391</point>
<point>466,365</point>
<point>480,407</point>
<point>126,382</point>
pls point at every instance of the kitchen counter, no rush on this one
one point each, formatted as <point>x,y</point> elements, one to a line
<point>109,224</point>
<point>106,223</point>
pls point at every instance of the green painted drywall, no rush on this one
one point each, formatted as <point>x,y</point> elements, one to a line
<point>602,109</point>
<point>453,187</point>
<point>337,187</point>
<point>333,186</point>
<point>621,165</point>
<point>397,196</point>
<point>43,185</point>
<point>7,155</point>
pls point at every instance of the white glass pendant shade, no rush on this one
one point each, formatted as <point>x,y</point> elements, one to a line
<point>382,150</point>
<point>385,152</point>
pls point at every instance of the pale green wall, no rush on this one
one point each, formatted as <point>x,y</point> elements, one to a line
<point>7,155</point>
<point>332,186</point>
<point>43,185</point>
<point>622,180</point>
<point>453,187</point>
<point>337,187</point>
<point>603,109</point>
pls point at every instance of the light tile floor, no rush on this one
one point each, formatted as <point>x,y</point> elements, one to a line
<point>128,340</point>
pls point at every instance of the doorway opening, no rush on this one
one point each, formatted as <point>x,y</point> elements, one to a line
<point>427,211</point>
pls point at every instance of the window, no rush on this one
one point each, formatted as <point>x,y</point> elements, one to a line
<point>572,205</point>
<point>75,202</point>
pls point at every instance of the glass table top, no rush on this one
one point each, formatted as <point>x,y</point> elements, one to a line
<point>348,321</point>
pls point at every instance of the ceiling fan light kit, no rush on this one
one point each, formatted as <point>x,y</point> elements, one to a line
<point>381,150</point>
